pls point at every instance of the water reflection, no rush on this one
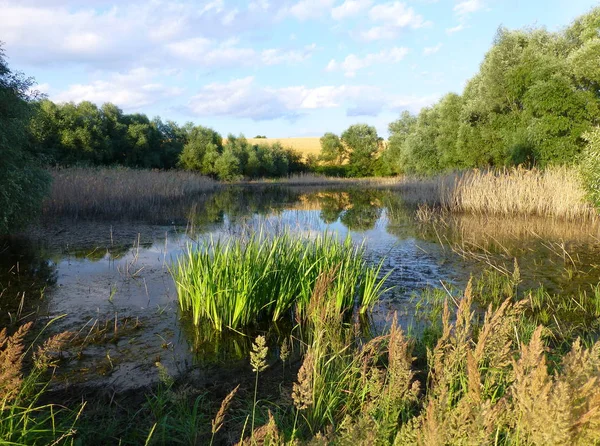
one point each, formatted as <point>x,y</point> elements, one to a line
<point>102,269</point>
<point>25,273</point>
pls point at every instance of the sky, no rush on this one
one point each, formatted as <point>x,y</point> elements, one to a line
<point>265,67</point>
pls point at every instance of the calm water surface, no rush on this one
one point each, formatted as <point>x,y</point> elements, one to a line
<point>109,280</point>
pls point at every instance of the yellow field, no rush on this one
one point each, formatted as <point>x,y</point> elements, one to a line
<point>306,146</point>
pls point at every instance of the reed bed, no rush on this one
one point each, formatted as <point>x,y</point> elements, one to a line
<point>238,282</point>
<point>82,192</point>
<point>554,192</point>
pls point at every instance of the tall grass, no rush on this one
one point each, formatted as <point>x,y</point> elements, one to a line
<point>483,381</point>
<point>553,192</point>
<point>237,282</point>
<point>23,419</point>
<point>117,192</point>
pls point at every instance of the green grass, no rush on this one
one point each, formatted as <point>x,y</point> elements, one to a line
<point>236,283</point>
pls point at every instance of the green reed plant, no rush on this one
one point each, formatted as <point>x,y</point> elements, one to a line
<point>237,282</point>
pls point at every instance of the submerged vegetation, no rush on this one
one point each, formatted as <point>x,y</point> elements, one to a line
<point>237,282</point>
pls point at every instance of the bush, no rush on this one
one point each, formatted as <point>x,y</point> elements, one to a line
<point>23,183</point>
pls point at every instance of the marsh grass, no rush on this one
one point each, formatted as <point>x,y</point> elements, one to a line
<point>554,192</point>
<point>236,283</point>
<point>83,192</point>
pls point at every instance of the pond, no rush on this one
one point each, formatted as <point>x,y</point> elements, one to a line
<point>109,280</point>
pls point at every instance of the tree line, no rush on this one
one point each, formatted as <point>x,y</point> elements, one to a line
<point>85,134</point>
<point>535,97</point>
<point>534,100</point>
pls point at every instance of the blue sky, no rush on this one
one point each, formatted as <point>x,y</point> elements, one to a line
<point>275,68</point>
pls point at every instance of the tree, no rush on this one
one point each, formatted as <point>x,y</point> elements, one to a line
<point>23,184</point>
<point>202,149</point>
<point>227,166</point>
<point>362,142</point>
<point>332,149</point>
<point>394,157</point>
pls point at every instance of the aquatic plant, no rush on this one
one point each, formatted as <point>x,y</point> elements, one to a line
<point>237,282</point>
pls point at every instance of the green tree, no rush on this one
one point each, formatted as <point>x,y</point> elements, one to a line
<point>202,149</point>
<point>23,184</point>
<point>332,149</point>
<point>394,157</point>
<point>227,166</point>
<point>362,142</point>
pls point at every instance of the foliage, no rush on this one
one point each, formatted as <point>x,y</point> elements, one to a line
<point>332,149</point>
<point>355,153</point>
<point>535,95</point>
<point>23,184</point>
<point>238,158</point>
<point>362,143</point>
<point>85,134</point>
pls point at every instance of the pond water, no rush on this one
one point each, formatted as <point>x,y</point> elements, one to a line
<point>109,280</point>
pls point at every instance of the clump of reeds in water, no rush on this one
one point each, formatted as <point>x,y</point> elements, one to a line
<point>238,282</point>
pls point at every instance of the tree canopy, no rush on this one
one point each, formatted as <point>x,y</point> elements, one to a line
<point>23,183</point>
<point>536,94</point>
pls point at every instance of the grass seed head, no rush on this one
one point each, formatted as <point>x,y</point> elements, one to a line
<point>258,355</point>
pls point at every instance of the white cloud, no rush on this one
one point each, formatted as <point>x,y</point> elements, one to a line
<point>427,51</point>
<point>207,53</point>
<point>396,14</point>
<point>391,18</point>
<point>466,7</point>
<point>275,56</point>
<point>463,9</point>
<point>332,65</point>
<point>455,29</point>
<point>259,4</point>
<point>118,36</point>
<point>352,63</point>
<point>350,8</point>
<point>230,17</point>
<point>243,98</point>
<point>132,90</point>
<point>306,9</point>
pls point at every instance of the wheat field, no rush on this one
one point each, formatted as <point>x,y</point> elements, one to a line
<point>306,145</point>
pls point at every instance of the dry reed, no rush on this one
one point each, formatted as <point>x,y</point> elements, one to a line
<point>120,192</point>
<point>554,192</point>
